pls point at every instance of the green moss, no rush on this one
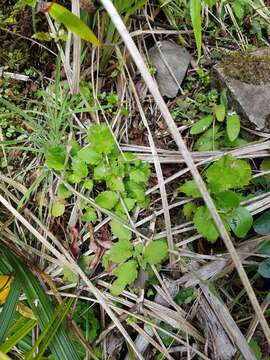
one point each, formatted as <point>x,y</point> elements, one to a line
<point>247,67</point>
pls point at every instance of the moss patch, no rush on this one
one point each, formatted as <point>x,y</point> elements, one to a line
<point>250,68</point>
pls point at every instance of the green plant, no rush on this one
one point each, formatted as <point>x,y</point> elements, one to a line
<point>129,258</point>
<point>235,175</point>
<point>218,117</point>
<point>262,227</point>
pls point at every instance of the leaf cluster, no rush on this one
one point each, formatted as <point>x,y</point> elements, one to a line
<point>222,178</point>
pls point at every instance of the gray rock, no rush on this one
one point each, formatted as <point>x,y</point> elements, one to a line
<point>171,62</point>
<point>250,100</point>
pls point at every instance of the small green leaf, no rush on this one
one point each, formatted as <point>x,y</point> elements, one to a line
<point>233,126</point>
<point>89,215</point>
<point>226,200</point>
<point>89,156</point>
<point>120,231</point>
<point>240,221</point>
<point>79,167</point>
<point>264,268</point>
<point>220,112</point>
<point>101,139</point>
<point>31,3</point>
<point>264,248</point>
<point>141,174</point>
<point>126,274</point>
<point>55,157</point>
<point>156,252</point>
<point>68,276</point>
<point>107,199</point>
<point>204,224</point>
<point>102,172</point>
<point>72,22</point>
<point>262,224</point>
<point>121,251</point>
<point>58,209</point>
<point>135,190</point>
<point>188,210</point>
<point>228,173</point>
<point>63,192</point>
<point>201,125</point>
<point>195,13</point>
<point>115,183</point>
<point>265,165</point>
<point>190,189</point>
<point>88,184</point>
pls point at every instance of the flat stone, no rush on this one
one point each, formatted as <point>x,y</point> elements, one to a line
<point>249,97</point>
<point>171,62</point>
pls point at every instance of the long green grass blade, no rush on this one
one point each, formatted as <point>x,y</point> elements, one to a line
<point>9,309</point>
<point>195,13</point>
<point>49,331</point>
<point>61,346</point>
<point>17,336</point>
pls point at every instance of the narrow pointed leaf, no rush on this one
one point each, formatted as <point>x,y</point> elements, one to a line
<point>72,22</point>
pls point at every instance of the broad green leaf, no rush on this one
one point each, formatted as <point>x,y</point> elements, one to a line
<point>89,156</point>
<point>141,174</point>
<point>262,224</point>
<point>58,209</point>
<point>126,274</point>
<point>107,199</point>
<point>88,185</point>
<point>226,200</point>
<point>102,172</point>
<point>101,139</point>
<point>79,167</point>
<point>264,248</point>
<point>156,251</point>
<point>238,7</point>
<point>240,221</point>
<point>195,13</point>
<point>129,203</point>
<point>228,173</point>
<point>220,112</point>
<point>121,251</point>
<point>72,22</point>
<point>233,126</point>
<point>63,192</point>
<point>201,125</point>
<point>89,215</point>
<point>68,275</point>
<point>190,189</point>
<point>55,157</point>
<point>135,190</point>
<point>120,231</point>
<point>115,183</point>
<point>265,165</point>
<point>209,140</point>
<point>264,268</point>
<point>205,225</point>
<point>188,210</point>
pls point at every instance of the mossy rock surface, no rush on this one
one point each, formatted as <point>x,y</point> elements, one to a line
<point>247,78</point>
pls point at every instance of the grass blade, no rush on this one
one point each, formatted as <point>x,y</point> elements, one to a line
<point>61,346</point>
<point>195,13</point>
<point>8,312</point>
<point>49,331</point>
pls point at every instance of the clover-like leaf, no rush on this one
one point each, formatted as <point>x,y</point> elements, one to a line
<point>190,189</point>
<point>204,223</point>
<point>89,215</point>
<point>89,156</point>
<point>126,274</point>
<point>58,209</point>
<point>63,192</point>
<point>262,224</point>
<point>55,157</point>
<point>121,251</point>
<point>120,231</point>
<point>156,251</point>
<point>107,199</point>
<point>228,173</point>
<point>101,139</point>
